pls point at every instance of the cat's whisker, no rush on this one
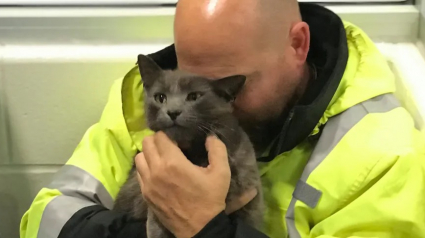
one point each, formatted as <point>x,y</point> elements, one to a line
<point>217,132</point>
<point>203,130</point>
<point>216,125</point>
<point>208,130</point>
<point>222,125</point>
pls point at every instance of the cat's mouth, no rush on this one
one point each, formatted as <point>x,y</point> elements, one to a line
<point>173,129</point>
<point>172,123</point>
<point>175,126</point>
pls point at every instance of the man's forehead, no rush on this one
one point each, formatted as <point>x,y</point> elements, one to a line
<point>214,68</point>
<point>216,60</point>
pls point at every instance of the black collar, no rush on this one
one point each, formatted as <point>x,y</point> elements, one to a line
<point>328,52</point>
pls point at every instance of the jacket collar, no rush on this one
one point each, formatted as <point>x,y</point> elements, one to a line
<point>329,53</point>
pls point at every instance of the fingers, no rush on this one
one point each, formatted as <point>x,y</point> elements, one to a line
<point>139,178</point>
<point>239,202</point>
<point>164,144</point>
<point>217,152</point>
<point>142,167</point>
<point>150,151</point>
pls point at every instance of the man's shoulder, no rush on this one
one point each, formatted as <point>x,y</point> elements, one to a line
<point>378,143</point>
<point>375,166</point>
<point>382,151</point>
<point>378,127</point>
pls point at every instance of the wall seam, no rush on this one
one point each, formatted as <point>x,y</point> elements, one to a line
<point>3,113</point>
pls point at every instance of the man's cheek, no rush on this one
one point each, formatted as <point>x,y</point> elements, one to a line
<point>245,105</point>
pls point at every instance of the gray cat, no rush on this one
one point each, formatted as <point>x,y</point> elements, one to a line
<point>187,108</point>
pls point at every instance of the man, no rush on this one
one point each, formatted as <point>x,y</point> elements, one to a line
<point>338,156</point>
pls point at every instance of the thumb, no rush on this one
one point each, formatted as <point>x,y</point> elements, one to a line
<point>217,153</point>
<point>237,203</point>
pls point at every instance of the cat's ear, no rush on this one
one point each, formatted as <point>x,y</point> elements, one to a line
<point>149,70</point>
<point>229,87</point>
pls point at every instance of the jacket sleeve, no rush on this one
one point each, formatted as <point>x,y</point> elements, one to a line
<point>98,221</point>
<point>77,203</point>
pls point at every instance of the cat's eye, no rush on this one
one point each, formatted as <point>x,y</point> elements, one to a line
<point>193,96</point>
<point>160,97</point>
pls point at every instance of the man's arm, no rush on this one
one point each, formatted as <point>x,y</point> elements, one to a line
<point>98,221</point>
<point>223,226</point>
<point>78,201</point>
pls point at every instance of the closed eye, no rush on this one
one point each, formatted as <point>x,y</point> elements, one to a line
<point>193,96</point>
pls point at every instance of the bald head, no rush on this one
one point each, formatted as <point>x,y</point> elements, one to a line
<point>264,40</point>
<point>214,28</point>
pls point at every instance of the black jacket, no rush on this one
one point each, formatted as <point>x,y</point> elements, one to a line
<point>328,51</point>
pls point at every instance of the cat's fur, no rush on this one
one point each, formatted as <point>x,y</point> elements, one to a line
<point>205,108</point>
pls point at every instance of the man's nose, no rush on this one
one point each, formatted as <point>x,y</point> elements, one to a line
<point>173,114</point>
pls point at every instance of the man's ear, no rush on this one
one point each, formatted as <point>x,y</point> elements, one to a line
<point>229,87</point>
<point>149,70</point>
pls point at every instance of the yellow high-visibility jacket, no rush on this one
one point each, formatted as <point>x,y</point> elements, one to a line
<point>359,172</point>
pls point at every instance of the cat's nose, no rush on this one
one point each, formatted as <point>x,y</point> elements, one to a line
<point>174,114</point>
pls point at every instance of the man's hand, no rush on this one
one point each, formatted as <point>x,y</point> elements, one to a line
<point>185,197</point>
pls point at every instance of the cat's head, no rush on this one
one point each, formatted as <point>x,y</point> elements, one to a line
<point>184,105</point>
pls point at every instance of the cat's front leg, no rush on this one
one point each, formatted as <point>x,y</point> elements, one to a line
<point>155,229</point>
